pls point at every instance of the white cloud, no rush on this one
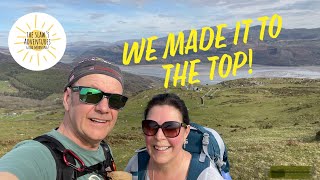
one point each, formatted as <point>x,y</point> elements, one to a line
<point>117,26</point>
<point>106,1</point>
<point>137,19</point>
<point>95,16</point>
<point>137,3</point>
<point>37,7</point>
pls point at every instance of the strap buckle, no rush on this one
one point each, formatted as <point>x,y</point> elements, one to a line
<point>71,153</point>
<point>205,139</point>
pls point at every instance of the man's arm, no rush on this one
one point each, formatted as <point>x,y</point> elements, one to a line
<point>8,176</point>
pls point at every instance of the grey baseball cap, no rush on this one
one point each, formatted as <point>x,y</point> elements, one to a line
<point>94,65</point>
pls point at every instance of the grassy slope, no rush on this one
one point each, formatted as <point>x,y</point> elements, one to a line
<point>5,87</point>
<point>264,122</point>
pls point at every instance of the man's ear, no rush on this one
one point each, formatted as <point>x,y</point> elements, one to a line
<point>67,100</point>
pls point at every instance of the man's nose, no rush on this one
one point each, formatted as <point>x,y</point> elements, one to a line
<point>103,105</point>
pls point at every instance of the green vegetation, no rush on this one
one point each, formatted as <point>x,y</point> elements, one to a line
<point>31,84</point>
<point>5,87</point>
<point>264,122</point>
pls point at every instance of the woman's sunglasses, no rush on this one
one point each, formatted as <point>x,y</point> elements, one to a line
<point>170,129</point>
<point>94,96</point>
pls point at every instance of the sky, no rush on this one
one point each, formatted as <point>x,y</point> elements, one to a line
<point>116,20</point>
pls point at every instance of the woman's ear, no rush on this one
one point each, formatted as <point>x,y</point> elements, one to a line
<point>186,133</point>
<point>67,99</point>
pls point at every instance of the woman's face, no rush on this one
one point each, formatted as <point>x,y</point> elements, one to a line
<point>162,149</point>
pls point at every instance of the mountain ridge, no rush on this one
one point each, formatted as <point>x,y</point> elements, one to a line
<point>41,84</point>
<point>293,47</point>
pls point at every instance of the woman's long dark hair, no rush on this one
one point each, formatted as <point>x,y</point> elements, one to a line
<point>169,99</point>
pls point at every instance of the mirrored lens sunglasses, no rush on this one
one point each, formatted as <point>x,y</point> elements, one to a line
<point>94,96</point>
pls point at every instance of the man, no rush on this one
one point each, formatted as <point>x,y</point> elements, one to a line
<point>92,99</point>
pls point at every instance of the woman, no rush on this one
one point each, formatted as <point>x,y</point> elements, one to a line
<point>166,127</point>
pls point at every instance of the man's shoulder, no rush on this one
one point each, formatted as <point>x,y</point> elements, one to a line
<point>27,149</point>
<point>25,160</point>
<point>32,143</point>
<point>29,144</point>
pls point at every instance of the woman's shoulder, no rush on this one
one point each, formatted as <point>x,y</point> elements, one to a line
<point>210,172</point>
<point>132,164</point>
<point>132,167</point>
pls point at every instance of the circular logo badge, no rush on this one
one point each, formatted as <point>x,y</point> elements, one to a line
<point>37,41</point>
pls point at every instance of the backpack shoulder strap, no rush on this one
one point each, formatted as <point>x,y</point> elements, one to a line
<point>223,150</point>
<point>109,161</point>
<point>56,149</point>
<point>197,167</point>
<point>210,146</point>
<point>67,172</point>
<point>209,140</point>
<point>143,159</point>
<point>103,167</point>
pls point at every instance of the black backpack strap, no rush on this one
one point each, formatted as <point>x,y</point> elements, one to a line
<point>64,172</point>
<point>109,162</point>
<point>103,167</point>
<point>143,159</point>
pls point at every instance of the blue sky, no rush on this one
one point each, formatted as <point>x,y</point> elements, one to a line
<point>114,20</point>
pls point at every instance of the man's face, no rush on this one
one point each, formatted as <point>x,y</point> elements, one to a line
<point>91,123</point>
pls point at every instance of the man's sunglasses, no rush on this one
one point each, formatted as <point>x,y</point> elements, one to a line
<point>170,129</point>
<point>94,96</point>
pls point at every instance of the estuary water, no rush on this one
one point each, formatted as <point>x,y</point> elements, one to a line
<point>309,72</point>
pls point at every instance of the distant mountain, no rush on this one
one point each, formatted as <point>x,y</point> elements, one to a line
<point>75,49</point>
<point>4,50</point>
<point>110,53</point>
<point>293,47</point>
<point>41,84</point>
<point>5,57</point>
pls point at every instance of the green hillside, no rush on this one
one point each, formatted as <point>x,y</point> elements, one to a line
<point>32,84</point>
<point>264,123</point>
<point>20,82</point>
<point>6,87</point>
